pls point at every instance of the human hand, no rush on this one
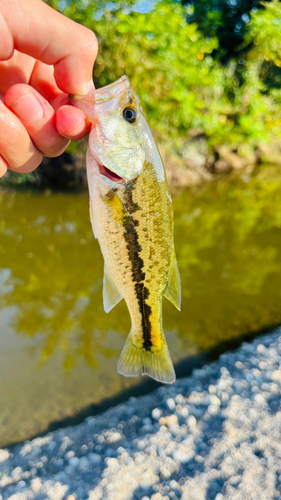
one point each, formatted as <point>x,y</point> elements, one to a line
<point>44,56</point>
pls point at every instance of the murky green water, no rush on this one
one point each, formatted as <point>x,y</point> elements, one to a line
<point>59,349</point>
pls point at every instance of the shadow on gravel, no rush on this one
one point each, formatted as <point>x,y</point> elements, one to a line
<point>274,403</point>
<point>211,430</point>
<point>183,368</point>
<point>214,488</point>
<point>140,492</point>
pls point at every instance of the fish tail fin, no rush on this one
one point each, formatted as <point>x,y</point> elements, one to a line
<point>136,360</point>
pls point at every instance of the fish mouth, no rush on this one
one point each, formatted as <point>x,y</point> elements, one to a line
<point>112,176</point>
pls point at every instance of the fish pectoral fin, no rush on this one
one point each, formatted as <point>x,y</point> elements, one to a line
<point>111,295</point>
<point>92,217</point>
<point>173,289</point>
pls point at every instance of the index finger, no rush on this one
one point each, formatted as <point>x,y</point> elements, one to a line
<point>34,28</point>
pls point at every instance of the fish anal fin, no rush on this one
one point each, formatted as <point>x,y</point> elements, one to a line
<point>136,361</point>
<point>111,295</point>
<point>173,289</point>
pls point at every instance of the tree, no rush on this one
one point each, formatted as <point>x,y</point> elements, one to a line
<point>227,20</point>
<point>171,66</point>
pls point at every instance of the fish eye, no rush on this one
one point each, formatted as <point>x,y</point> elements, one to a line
<point>130,114</point>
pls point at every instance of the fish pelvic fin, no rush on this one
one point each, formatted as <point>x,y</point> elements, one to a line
<point>111,295</point>
<point>136,360</point>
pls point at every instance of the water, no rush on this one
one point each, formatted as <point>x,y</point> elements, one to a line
<point>59,349</point>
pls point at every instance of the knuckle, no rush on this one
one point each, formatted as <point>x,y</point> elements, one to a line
<point>12,141</point>
<point>32,163</point>
<point>21,154</point>
<point>54,150</point>
<point>48,141</point>
<point>90,43</point>
<point>17,135</point>
<point>7,44</point>
<point>16,146</point>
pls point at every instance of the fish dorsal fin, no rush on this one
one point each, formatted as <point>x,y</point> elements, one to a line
<point>92,217</point>
<point>111,296</point>
<point>173,289</point>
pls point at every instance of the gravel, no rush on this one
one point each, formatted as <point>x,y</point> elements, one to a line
<point>213,436</point>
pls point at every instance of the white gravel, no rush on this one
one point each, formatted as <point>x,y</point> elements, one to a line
<point>213,436</point>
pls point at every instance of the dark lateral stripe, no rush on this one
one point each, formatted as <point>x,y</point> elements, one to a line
<point>134,249</point>
<point>130,205</point>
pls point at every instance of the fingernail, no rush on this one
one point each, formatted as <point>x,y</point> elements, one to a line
<point>28,108</point>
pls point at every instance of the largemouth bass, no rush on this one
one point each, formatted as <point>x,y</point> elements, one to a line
<point>132,217</point>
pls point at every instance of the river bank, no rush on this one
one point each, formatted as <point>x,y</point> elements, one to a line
<point>213,436</point>
<point>188,164</point>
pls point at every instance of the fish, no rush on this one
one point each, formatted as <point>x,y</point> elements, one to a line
<point>132,218</point>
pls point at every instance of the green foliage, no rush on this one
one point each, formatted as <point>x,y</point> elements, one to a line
<point>226,20</point>
<point>151,49</point>
<point>181,86</point>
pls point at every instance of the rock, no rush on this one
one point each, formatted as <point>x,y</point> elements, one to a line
<point>36,484</point>
<point>16,471</point>
<point>259,399</point>
<point>192,422</point>
<point>181,457</point>
<point>147,421</point>
<point>114,437</point>
<point>213,400</point>
<point>212,389</point>
<point>276,375</point>
<point>171,404</point>
<point>74,461</point>
<point>169,420</point>
<point>165,472</point>
<point>156,413</point>
<point>221,166</point>
<point>83,463</point>
<point>4,455</point>
<point>112,462</point>
<point>231,159</point>
<point>94,458</point>
<point>95,494</point>
<point>261,348</point>
<point>213,410</point>
<point>179,399</point>
<point>219,496</point>
<point>157,496</point>
<point>184,412</point>
<point>21,485</point>
<point>57,492</point>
